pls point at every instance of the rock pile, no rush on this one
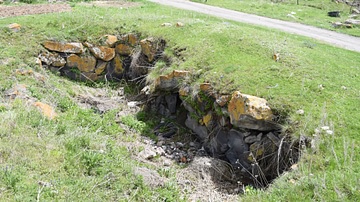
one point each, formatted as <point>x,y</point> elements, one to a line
<point>117,57</point>
<point>236,128</point>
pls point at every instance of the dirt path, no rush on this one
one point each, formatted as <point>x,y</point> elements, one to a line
<point>330,37</point>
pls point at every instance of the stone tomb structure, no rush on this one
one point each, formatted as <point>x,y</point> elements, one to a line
<point>236,128</point>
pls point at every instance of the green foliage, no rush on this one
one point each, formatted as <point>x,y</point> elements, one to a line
<point>28,1</point>
<point>9,177</point>
<point>311,12</point>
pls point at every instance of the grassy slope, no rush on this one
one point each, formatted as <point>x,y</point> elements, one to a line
<point>240,54</point>
<point>311,12</point>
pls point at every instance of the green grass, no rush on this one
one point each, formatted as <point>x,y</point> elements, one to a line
<point>310,12</point>
<point>69,152</point>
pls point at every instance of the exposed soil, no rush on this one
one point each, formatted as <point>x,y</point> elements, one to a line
<point>9,11</point>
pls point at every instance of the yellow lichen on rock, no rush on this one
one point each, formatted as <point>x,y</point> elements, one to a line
<point>170,81</point>
<point>118,66</point>
<point>207,119</point>
<point>111,40</point>
<point>84,63</point>
<point>64,47</point>
<point>148,48</point>
<point>123,49</point>
<point>242,104</point>
<point>100,68</point>
<point>101,52</point>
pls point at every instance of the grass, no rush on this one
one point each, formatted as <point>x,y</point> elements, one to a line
<point>80,153</point>
<point>310,12</point>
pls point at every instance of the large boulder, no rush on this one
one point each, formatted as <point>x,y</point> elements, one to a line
<point>251,112</point>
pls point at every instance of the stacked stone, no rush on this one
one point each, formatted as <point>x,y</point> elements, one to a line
<point>111,60</point>
<point>237,128</point>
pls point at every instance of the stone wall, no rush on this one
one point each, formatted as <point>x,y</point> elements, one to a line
<point>116,58</point>
<point>237,128</point>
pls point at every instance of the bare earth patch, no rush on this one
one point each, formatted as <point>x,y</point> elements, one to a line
<point>117,4</point>
<point>9,11</point>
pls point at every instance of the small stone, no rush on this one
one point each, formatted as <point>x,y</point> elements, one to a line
<point>290,15</point>
<point>329,132</point>
<point>160,143</point>
<point>325,128</point>
<point>166,24</point>
<point>276,57</point>
<point>179,145</point>
<point>15,27</point>
<point>192,144</point>
<point>337,24</point>
<point>147,154</point>
<point>321,87</point>
<point>352,22</point>
<point>167,162</point>
<point>294,167</point>
<point>180,24</point>
<point>132,104</point>
<point>344,87</point>
<point>159,151</point>
<point>300,112</point>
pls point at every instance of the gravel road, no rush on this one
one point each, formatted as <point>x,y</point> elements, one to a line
<point>330,37</point>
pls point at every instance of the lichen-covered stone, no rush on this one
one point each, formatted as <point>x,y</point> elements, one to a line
<point>206,87</point>
<point>223,100</point>
<point>170,81</point>
<point>118,65</point>
<point>64,47</point>
<point>148,48</point>
<point>101,52</point>
<point>15,27</point>
<point>52,59</point>
<point>83,63</point>
<point>130,39</point>
<point>207,119</point>
<point>46,110</point>
<point>123,49</point>
<point>250,112</point>
<point>111,40</point>
<point>100,67</point>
